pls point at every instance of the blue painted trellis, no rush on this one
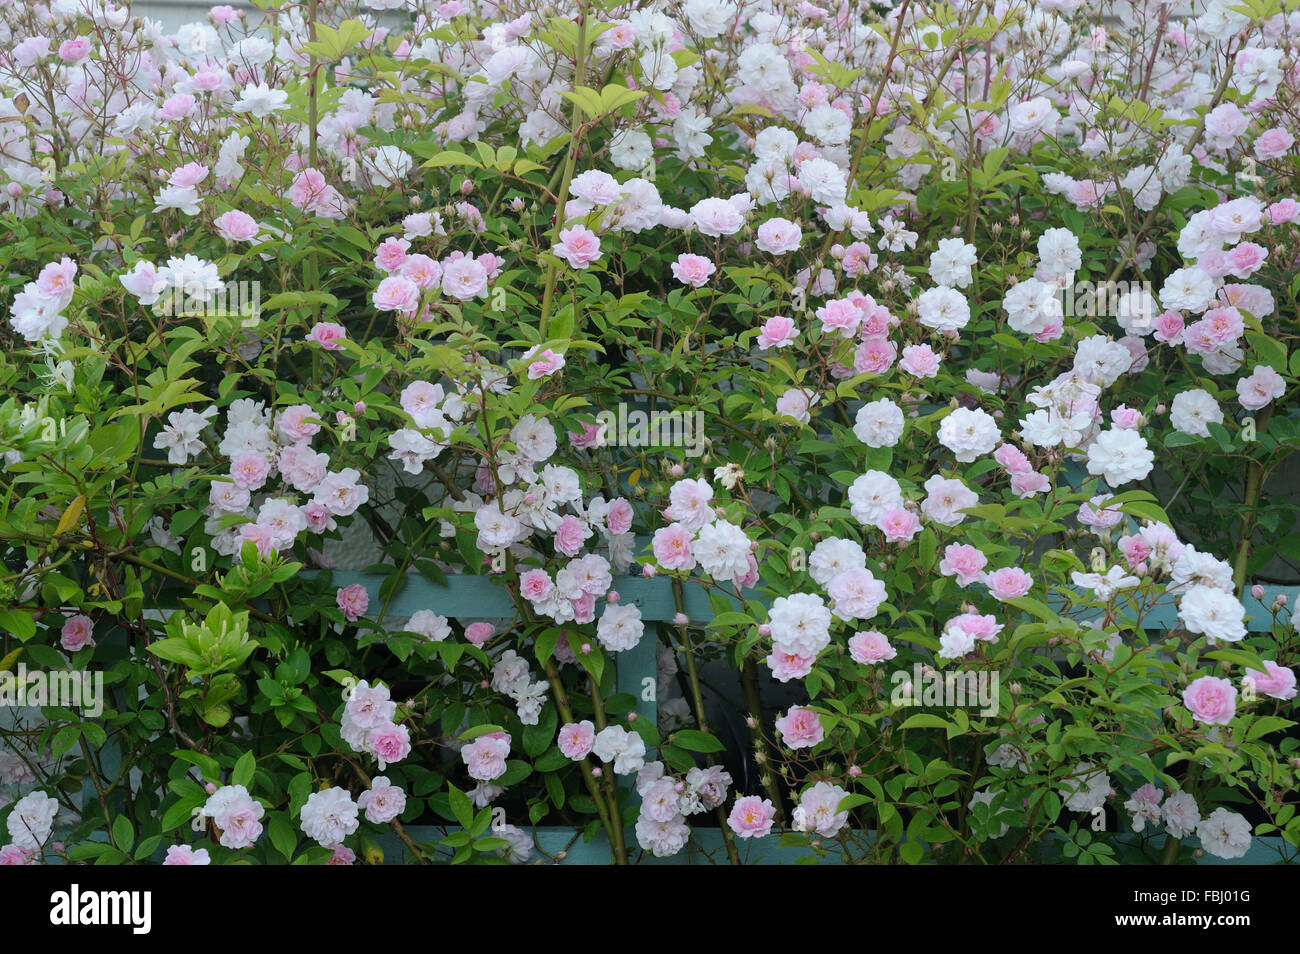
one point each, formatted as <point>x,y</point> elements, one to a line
<point>484,596</point>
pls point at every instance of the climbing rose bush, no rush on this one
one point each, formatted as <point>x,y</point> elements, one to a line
<point>967,331</point>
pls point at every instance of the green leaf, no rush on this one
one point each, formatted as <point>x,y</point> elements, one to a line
<point>242,773</point>
<point>123,833</point>
<point>461,806</point>
<point>697,741</point>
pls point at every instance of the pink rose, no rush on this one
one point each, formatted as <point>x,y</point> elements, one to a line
<point>352,600</point>
<point>327,334</point>
<point>787,666</point>
<point>963,561</point>
<point>693,270</point>
<point>391,743</point>
<point>672,547</point>
<point>249,470</point>
<point>186,856</point>
<point>870,647</point>
<point>396,293</point>
<point>485,757</point>
<point>578,245</point>
<point>542,364</point>
<point>570,535</point>
<point>777,332</point>
<point>1009,583</point>
<point>751,817</point>
<point>70,51</point>
<point>1277,682</point>
<point>382,802</point>
<point>391,255</point>
<point>479,633</point>
<point>576,739</point>
<point>800,728</point>
<point>1211,700</point>
<point>76,633</point>
<point>898,525</point>
<point>535,585</point>
<point>619,518</point>
<point>237,226</point>
<point>1012,459</point>
<point>920,361</point>
<point>1284,211</point>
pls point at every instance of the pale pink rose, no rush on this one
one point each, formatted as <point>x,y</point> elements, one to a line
<point>327,334</point>
<point>898,525</point>
<point>584,608</point>
<point>787,666</point>
<point>840,316</point>
<point>76,633</point>
<point>177,106</point>
<point>570,535</point>
<point>382,802</point>
<point>423,270</point>
<point>693,270</point>
<point>396,293</point>
<point>777,332</point>
<point>1246,258</point>
<point>1277,682</point>
<point>1027,485</point>
<point>260,535</point>
<point>1273,144</point>
<point>1009,582</point>
<point>870,647</point>
<point>319,520</point>
<point>485,757</point>
<point>1126,418</point>
<point>57,280</point>
<point>391,743</point>
<point>249,470</point>
<point>796,403</point>
<point>1012,459</point>
<point>391,255</point>
<point>1211,700</point>
<point>464,278</point>
<point>237,226</point>
<point>13,856</point>
<point>751,817</point>
<point>920,361</point>
<point>1283,212</point>
<point>70,51</point>
<point>353,601</point>
<point>976,626</point>
<point>800,728</point>
<point>619,517</point>
<point>576,739</point>
<point>479,633</point>
<point>779,237</point>
<point>1135,550</point>
<point>589,436</point>
<point>875,356</point>
<point>342,856</point>
<point>535,585</point>
<point>672,547</point>
<point>223,15</point>
<point>963,561</point>
<point>1261,388</point>
<point>186,856</point>
<point>578,245</point>
<point>297,423</point>
<point>542,364</point>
